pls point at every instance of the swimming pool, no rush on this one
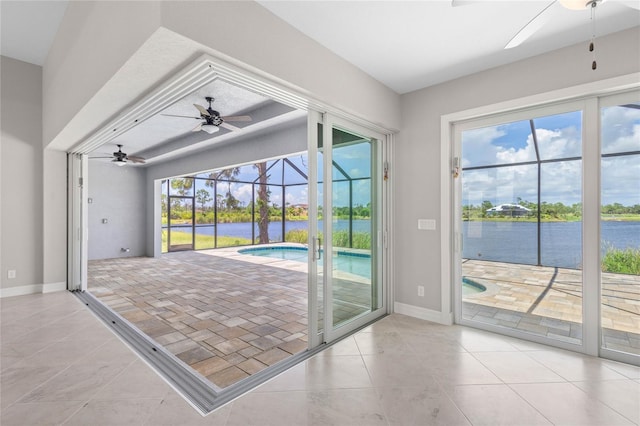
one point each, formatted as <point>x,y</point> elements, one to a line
<point>470,287</point>
<point>345,261</point>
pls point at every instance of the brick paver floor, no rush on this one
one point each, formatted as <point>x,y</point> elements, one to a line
<point>224,314</point>
<point>548,301</point>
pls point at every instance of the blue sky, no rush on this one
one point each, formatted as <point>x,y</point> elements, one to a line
<point>559,136</point>
<point>354,159</point>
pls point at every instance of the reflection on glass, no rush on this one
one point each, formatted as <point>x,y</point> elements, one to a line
<point>352,232</point>
<point>620,228</point>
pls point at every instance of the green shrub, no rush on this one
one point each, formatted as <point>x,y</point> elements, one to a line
<point>297,236</point>
<point>621,261</point>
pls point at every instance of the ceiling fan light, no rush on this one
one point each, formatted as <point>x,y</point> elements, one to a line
<point>575,4</point>
<point>210,128</point>
<point>119,162</point>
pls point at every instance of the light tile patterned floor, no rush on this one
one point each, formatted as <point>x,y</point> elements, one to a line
<point>60,365</point>
<point>548,301</point>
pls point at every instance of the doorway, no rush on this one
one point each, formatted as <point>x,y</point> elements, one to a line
<point>545,255</point>
<point>352,223</point>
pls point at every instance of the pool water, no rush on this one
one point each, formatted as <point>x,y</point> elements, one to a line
<point>353,263</point>
<point>470,287</point>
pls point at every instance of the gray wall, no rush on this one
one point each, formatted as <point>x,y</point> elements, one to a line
<point>33,188</point>
<point>417,173</point>
<point>118,195</point>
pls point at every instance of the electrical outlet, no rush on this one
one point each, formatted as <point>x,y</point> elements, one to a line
<point>11,274</point>
<point>421,291</point>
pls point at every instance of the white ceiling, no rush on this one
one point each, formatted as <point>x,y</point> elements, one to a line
<point>407,45</point>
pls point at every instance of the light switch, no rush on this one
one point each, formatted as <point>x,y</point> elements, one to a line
<point>426,224</point>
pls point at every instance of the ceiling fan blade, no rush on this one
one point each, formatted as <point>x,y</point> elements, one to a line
<point>92,158</point>
<point>237,118</point>
<point>528,30</point>
<point>456,3</point>
<point>181,116</point>
<point>136,159</point>
<point>197,128</point>
<point>230,127</point>
<point>202,110</point>
<point>634,4</point>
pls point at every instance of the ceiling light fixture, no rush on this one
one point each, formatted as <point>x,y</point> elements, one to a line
<point>210,128</point>
<point>581,5</point>
<point>119,162</point>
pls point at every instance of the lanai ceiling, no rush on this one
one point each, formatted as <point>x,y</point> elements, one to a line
<point>164,136</point>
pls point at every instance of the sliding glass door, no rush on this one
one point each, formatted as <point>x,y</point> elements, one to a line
<point>620,224</point>
<point>547,205</point>
<point>347,242</point>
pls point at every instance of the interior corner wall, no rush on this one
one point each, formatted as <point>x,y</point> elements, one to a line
<point>417,184</point>
<point>118,198</point>
<point>94,40</point>
<point>21,203</point>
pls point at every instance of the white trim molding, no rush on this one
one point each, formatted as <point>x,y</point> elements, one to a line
<point>23,290</point>
<point>444,318</point>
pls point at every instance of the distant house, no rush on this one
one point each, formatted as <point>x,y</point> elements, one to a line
<point>513,210</point>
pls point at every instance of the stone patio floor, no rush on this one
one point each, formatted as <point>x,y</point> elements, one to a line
<point>224,314</point>
<point>548,301</point>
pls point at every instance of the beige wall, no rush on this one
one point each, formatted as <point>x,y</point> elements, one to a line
<point>417,181</point>
<point>21,196</point>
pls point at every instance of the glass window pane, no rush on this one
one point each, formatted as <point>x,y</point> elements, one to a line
<point>559,136</point>
<point>620,128</point>
<point>503,144</point>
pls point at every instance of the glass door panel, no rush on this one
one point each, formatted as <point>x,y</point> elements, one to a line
<point>521,224</point>
<point>181,234</point>
<point>205,214</point>
<point>620,227</point>
<point>352,229</point>
<point>344,223</point>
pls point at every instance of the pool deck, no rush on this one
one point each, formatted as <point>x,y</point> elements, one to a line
<point>548,301</point>
<point>225,314</point>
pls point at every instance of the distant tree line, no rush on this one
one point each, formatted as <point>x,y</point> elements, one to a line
<point>548,211</point>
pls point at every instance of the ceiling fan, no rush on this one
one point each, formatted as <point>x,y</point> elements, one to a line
<point>546,13</point>
<point>211,119</point>
<point>120,158</point>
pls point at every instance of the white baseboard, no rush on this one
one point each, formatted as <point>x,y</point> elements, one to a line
<point>32,289</point>
<point>423,313</point>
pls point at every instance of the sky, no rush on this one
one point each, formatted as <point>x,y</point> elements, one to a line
<point>559,137</point>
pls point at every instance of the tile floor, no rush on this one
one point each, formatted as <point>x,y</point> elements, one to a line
<point>61,365</point>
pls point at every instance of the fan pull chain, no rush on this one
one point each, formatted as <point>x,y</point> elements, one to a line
<point>592,49</point>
